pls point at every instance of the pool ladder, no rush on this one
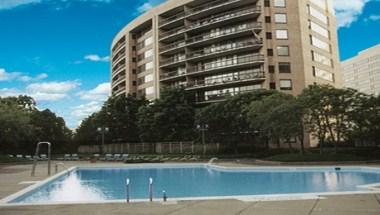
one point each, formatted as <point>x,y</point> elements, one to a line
<point>127,191</point>
<point>36,157</point>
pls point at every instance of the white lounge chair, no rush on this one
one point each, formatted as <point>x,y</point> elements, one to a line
<point>67,157</point>
<point>109,157</point>
<point>124,157</point>
<point>19,157</point>
<point>74,157</point>
<point>43,157</point>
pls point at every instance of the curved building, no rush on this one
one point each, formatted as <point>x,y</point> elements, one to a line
<point>216,48</point>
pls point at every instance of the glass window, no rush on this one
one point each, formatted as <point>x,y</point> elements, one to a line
<point>148,41</point>
<point>282,34</point>
<point>283,50</point>
<point>284,67</point>
<point>148,53</point>
<point>280,3</point>
<point>319,43</point>
<point>148,78</point>
<point>149,65</point>
<point>319,29</point>
<point>321,58</point>
<point>280,18</point>
<point>149,90</point>
<point>323,74</point>
<point>286,84</point>
<point>320,16</point>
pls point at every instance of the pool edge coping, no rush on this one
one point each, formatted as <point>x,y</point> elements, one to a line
<point>373,188</point>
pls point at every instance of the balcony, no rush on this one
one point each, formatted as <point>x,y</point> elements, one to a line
<point>172,75</point>
<point>254,76</point>
<point>118,47</point>
<point>119,91</point>
<point>221,96</point>
<point>236,62</point>
<point>229,48</point>
<point>229,32</point>
<point>172,46</point>
<point>118,57</point>
<point>173,61</point>
<point>215,5</point>
<point>118,69</point>
<point>172,19</point>
<point>118,80</point>
<point>220,19</point>
<point>172,33</point>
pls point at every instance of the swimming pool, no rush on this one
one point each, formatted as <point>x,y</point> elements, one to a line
<point>82,184</point>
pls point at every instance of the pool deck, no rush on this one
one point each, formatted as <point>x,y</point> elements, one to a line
<point>12,175</point>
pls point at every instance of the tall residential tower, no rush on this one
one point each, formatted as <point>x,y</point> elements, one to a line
<point>216,48</point>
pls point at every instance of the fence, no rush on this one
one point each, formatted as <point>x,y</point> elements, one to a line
<point>154,148</point>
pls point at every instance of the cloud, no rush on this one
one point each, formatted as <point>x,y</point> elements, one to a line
<point>348,11</point>
<point>51,91</point>
<point>99,93</point>
<point>6,92</point>
<point>148,5</point>
<point>84,110</point>
<point>96,58</point>
<point>10,76</point>
<point>10,4</point>
<point>374,18</point>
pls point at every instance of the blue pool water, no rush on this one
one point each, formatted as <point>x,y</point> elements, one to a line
<point>94,184</point>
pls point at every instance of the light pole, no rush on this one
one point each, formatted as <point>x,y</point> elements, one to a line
<point>203,128</point>
<point>102,130</point>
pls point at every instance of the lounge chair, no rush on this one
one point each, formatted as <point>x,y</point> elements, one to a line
<point>19,157</point>
<point>67,157</point>
<point>11,156</point>
<point>116,157</point>
<point>28,157</point>
<point>43,157</point>
<point>74,157</point>
<point>124,157</point>
<point>108,157</point>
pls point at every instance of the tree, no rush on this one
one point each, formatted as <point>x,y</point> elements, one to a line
<point>170,118</point>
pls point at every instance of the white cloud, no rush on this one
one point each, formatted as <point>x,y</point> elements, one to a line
<point>374,17</point>
<point>96,58</point>
<point>148,5</point>
<point>348,11</point>
<point>99,93</point>
<point>10,76</point>
<point>10,4</point>
<point>6,92</point>
<point>51,91</point>
<point>84,110</point>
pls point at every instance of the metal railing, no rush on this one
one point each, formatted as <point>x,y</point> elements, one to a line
<point>118,57</point>
<point>118,46</point>
<point>221,96</point>
<point>172,32</point>
<point>226,80</point>
<point>224,16</point>
<point>227,63</point>
<point>223,48</point>
<point>224,32</point>
<point>210,5</point>
<point>173,45</point>
<point>172,60</point>
<point>178,16</point>
<point>36,157</point>
<point>173,74</point>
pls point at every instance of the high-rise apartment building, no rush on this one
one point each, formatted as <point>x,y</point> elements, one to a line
<point>216,48</point>
<point>362,72</point>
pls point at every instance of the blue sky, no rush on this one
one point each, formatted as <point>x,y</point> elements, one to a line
<point>58,50</point>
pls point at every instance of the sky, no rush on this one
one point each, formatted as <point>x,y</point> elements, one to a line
<point>57,51</point>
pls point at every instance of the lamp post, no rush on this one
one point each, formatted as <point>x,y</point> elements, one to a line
<point>203,128</point>
<point>102,130</point>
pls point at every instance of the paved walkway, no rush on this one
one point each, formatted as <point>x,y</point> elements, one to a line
<point>11,176</point>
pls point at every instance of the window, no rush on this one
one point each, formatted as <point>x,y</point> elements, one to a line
<point>269,35</point>
<point>148,41</point>
<point>133,71</point>
<point>267,3</point>
<point>134,83</point>
<point>149,65</point>
<point>284,68</point>
<point>283,50</point>
<point>282,34</point>
<point>271,69</point>
<point>268,19</point>
<point>321,58</point>
<point>319,29</point>
<point>280,18</point>
<point>320,16</point>
<point>270,52</point>
<point>319,43</point>
<point>280,3</point>
<point>320,3</point>
<point>148,78</point>
<point>323,74</point>
<point>272,85</point>
<point>148,53</point>
<point>149,90</point>
<point>286,84</point>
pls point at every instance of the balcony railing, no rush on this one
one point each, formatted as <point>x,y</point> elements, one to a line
<point>118,68</point>
<point>118,46</point>
<point>227,63</point>
<point>221,96</point>
<point>211,5</point>
<point>173,32</point>
<point>172,18</point>
<point>173,46</point>
<point>118,57</point>
<point>119,90</point>
<point>224,48</point>
<point>224,16</point>
<point>226,80</point>
<point>224,32</point>
<point>173,60</point>
<point>173,74</point>
<point>118,79</point>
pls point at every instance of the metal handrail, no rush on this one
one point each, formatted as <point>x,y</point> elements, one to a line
<point>222,96</point>
<point>224,32</point>
<point>164,21</point>
<point>228,79</point>
<point>173,45</point>
<point>227,63</point>
<point>210,5</point>
<point>36,157</point>
<point>172,74</point>
<point>172,32</point>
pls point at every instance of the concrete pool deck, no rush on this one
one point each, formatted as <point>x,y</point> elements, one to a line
<point>12,175</point>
